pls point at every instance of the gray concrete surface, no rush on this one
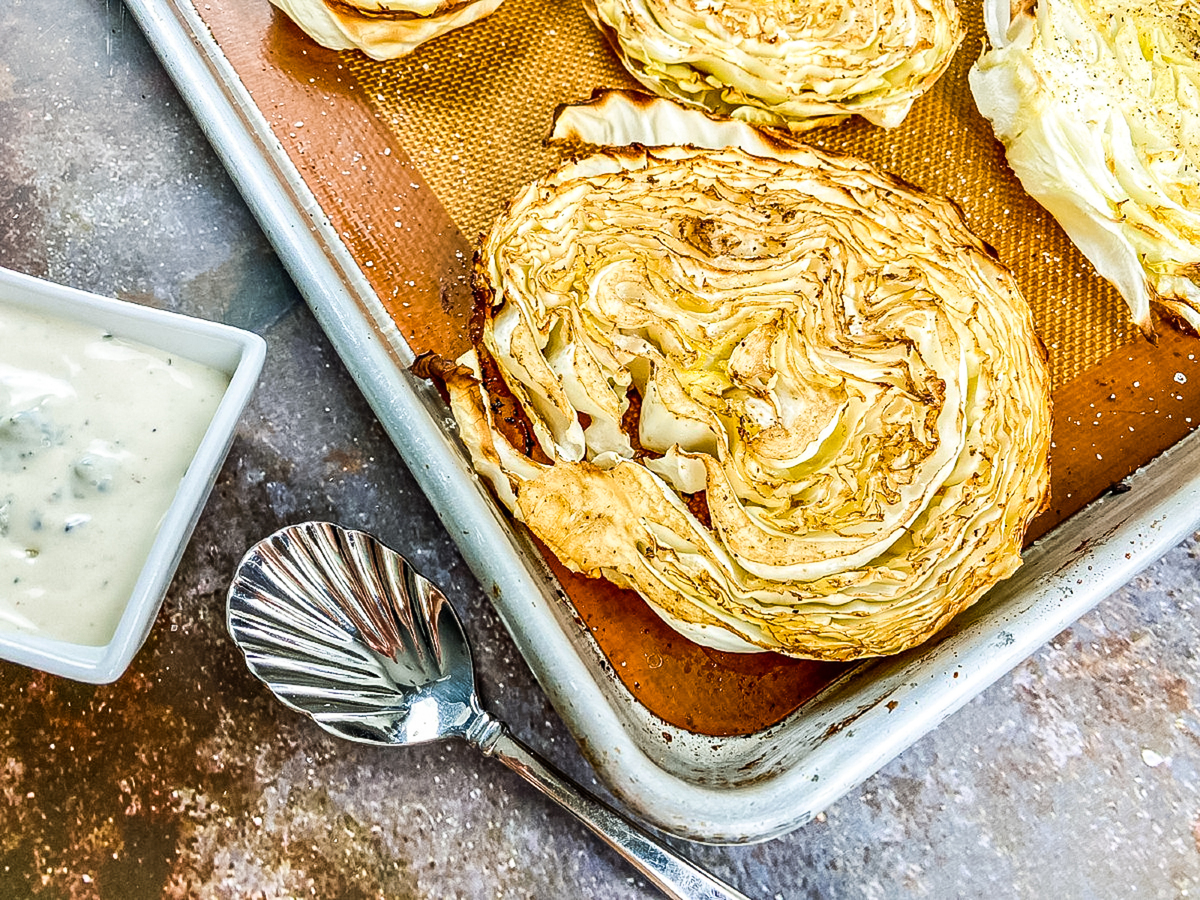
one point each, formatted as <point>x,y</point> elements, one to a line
<point>1075,776</point>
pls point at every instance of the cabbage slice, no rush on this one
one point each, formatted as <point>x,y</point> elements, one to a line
<point>782,63</point>
<point>382,29</point>
<point>1098,108</point>
<point>835,408</point>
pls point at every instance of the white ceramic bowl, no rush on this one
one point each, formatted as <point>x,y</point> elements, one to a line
<point>239,354</point>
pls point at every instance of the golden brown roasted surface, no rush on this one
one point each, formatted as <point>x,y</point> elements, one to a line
<point>791,401</point>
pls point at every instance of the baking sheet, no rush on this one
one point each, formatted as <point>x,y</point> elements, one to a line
<point>371,215</point>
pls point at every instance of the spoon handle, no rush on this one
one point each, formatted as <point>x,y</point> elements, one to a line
<point>674,875</point>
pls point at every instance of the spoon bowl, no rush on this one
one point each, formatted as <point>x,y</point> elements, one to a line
<point>342,628</point>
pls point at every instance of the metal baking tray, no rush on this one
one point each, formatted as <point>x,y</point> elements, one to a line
<point>721,789</point>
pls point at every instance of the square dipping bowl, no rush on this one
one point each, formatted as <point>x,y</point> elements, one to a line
<point>237,354</point>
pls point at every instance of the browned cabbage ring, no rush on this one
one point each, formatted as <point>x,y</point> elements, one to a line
<point>792,402</point>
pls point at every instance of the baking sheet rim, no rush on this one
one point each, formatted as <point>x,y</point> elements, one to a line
<point>835,742</point>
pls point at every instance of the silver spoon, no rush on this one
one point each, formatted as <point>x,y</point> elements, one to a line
<point>341,627</point>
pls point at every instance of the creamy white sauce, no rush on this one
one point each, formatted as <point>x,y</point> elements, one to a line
<point>95,435</point>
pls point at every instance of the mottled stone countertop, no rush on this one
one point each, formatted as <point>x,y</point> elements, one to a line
<point>1074,776</point>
